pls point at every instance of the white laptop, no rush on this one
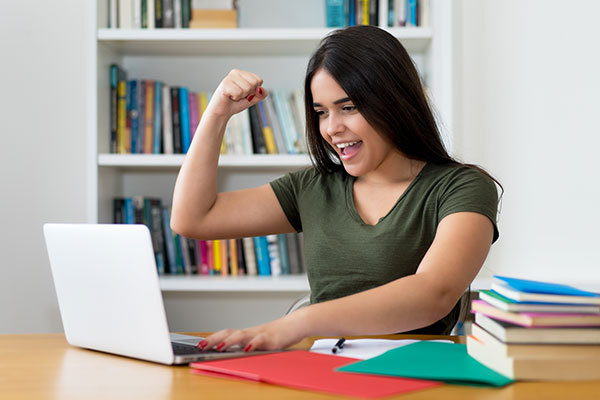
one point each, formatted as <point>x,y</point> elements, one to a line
<point>109,297</point>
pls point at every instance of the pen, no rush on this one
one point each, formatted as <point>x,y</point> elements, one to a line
<point>338,346</point>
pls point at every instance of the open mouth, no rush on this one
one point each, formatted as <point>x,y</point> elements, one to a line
<point>350,148</point>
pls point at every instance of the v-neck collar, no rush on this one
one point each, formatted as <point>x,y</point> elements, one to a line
<point>352,207</point>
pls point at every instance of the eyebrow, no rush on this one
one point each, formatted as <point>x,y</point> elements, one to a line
<point>342,100</point>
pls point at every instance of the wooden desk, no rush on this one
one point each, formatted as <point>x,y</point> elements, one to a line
<point>44,366</point>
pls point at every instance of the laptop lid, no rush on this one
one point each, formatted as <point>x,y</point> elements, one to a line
<point>108,291</point>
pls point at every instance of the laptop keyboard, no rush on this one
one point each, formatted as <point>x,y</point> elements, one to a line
<point>184,349</point>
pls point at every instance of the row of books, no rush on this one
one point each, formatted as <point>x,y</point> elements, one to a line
<point>150,14</point>
<point>408,13</point>
<point>151,117</point>
<point>271,255</point>
<point>532,330</point>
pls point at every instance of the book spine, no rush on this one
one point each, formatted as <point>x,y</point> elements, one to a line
<point>224,258</point>
<point>113,13</point>
<point>217,257</point>
<point>283,254</point>
<point>233,258</point>
<point>177,145</point>
<point>186,13</point>
<point>129,211</point>
<point>240,257</point>
<point>167,121</point>
<point>134,115</point>
<point>335,13</point>
<point>118,211</point>
<point>158,14</point>
<point>122,116</point>
<point>114,80</point>
<point>125,14</point>
<point>411,13</point>
<point>184,118</point>
<point>250,256</point>
<point>204,268</point>
<point>274,256</point>
<point>171,265</point>
<point>258,139</point>
<point>177,13</point>
<point>141,116</point>
<point>194,118</point>
<point>374,12</point>
<point>157,128</point>
<point>157,234</point>
<point>262,255</point>
<point>351,13</point>
<point>149,118</point>
<point>168,17</point>
<point>150,14</point>
<point>185,255</point>
<point>137,14</point>
<point>266,129</point>
<point>275,125</point>
<point>128,116</point>
<point>210,258</point>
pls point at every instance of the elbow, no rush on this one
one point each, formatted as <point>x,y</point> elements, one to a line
<point>179,224</point>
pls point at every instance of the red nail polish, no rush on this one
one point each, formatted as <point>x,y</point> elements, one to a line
<point>250,97</point>
<point>220,345</point>
<point>247,348</point>
<point>260,91</point>
<point>202,344</point>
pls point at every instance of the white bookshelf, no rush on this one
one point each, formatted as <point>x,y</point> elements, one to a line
<point>198,59</point>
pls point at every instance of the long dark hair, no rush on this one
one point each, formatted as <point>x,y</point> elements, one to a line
<point>378,75</point>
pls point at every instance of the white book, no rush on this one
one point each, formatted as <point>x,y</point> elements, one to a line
<point>113,14</point>
<point>249,256</point>
<point>137,14</point>
<point>274,255</point>
<point>286,126</point>
<point>297,99</point>
<point>246,132</point>
<point>212,4</point>
<point>177,13</point>
<point>150,14</point>
<point>125,14</point>
<point>167,121</point>
<point>400,13</point>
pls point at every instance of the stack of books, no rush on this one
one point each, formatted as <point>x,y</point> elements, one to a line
<point>531,330</point>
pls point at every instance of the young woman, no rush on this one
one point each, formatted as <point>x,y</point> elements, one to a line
<point>395,230</point>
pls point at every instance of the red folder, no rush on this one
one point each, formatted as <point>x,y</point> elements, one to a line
<point>312,371</point>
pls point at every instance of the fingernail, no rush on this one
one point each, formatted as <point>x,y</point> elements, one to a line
<point>250,97</point>
<point>202,344</point>
<point>260,91</point>
<point>220,345</point>
<point>247,348</point>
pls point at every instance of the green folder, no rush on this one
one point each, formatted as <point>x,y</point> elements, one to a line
<point>447,362</point>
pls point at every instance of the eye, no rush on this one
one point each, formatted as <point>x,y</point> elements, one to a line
<point>321,113</point>
<point>349,108</point>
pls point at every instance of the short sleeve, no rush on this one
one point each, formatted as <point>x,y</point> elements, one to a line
<point>285,191</point>
<point>470,190</point>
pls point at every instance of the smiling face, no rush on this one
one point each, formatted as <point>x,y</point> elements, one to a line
<point>362,150</point>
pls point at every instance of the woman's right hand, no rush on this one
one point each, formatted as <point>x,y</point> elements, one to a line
<point>236,92</point>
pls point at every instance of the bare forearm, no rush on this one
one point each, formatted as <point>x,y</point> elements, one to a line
<point>196,186</point>
<point>408,303</point>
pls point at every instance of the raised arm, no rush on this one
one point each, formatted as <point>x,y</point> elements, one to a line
<point>198,210</point>
<point>461,244</point>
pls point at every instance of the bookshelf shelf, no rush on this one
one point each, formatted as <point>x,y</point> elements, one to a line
<point>255,161</point>
<point>284,283</point>
<point>237,41</point>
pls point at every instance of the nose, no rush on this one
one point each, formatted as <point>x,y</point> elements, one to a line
<point>335,124</point>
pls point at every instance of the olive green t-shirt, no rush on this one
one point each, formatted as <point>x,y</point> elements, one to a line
<point>344,255</point>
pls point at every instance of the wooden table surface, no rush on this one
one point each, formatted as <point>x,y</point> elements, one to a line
<point>44,366</point>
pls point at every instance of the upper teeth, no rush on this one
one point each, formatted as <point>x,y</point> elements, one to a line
<point>342,145</point>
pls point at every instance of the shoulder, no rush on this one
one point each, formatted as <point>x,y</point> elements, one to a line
<point>449,178</point>
<point>312,178</point>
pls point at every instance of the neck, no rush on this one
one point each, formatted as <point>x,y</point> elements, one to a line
<point>398,169</point>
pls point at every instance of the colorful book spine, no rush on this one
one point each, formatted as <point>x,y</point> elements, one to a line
<point>177,142</point>
<point>168,236</point>
<point>149,118</point>
<point>233,258</point>
<point>122,117</point>
<point>335,12</point>
<point>167,120</point>
<point>193,105</point>
<point>157,122</point>
<point>262,255</point>
<point>184,115</point>
<point>217,256</point>
<point>266,129</point>
<point>134,114</point>
<point>283,254</point>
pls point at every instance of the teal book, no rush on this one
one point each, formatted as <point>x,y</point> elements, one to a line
<point>184,119</point>
<point>448,362</point>
<point>335,13</point>
<point>261,248</point>
<point>283,254</point>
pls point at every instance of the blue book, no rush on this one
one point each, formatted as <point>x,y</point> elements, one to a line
<point>157,129</point>
<point>351,13</point>
<point>263,262</point>
<point>411,13</point>
<point>129,211</point>
<point>531,286</point>
<point>335,11</point>
<point>184,113</point>
<point>133,92</point>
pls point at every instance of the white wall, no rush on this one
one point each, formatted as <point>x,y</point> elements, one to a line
<point>530,83</point>
<point>42,155</point>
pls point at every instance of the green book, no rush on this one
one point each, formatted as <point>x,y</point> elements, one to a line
<point>448,362</point>
<point>506,304</point>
